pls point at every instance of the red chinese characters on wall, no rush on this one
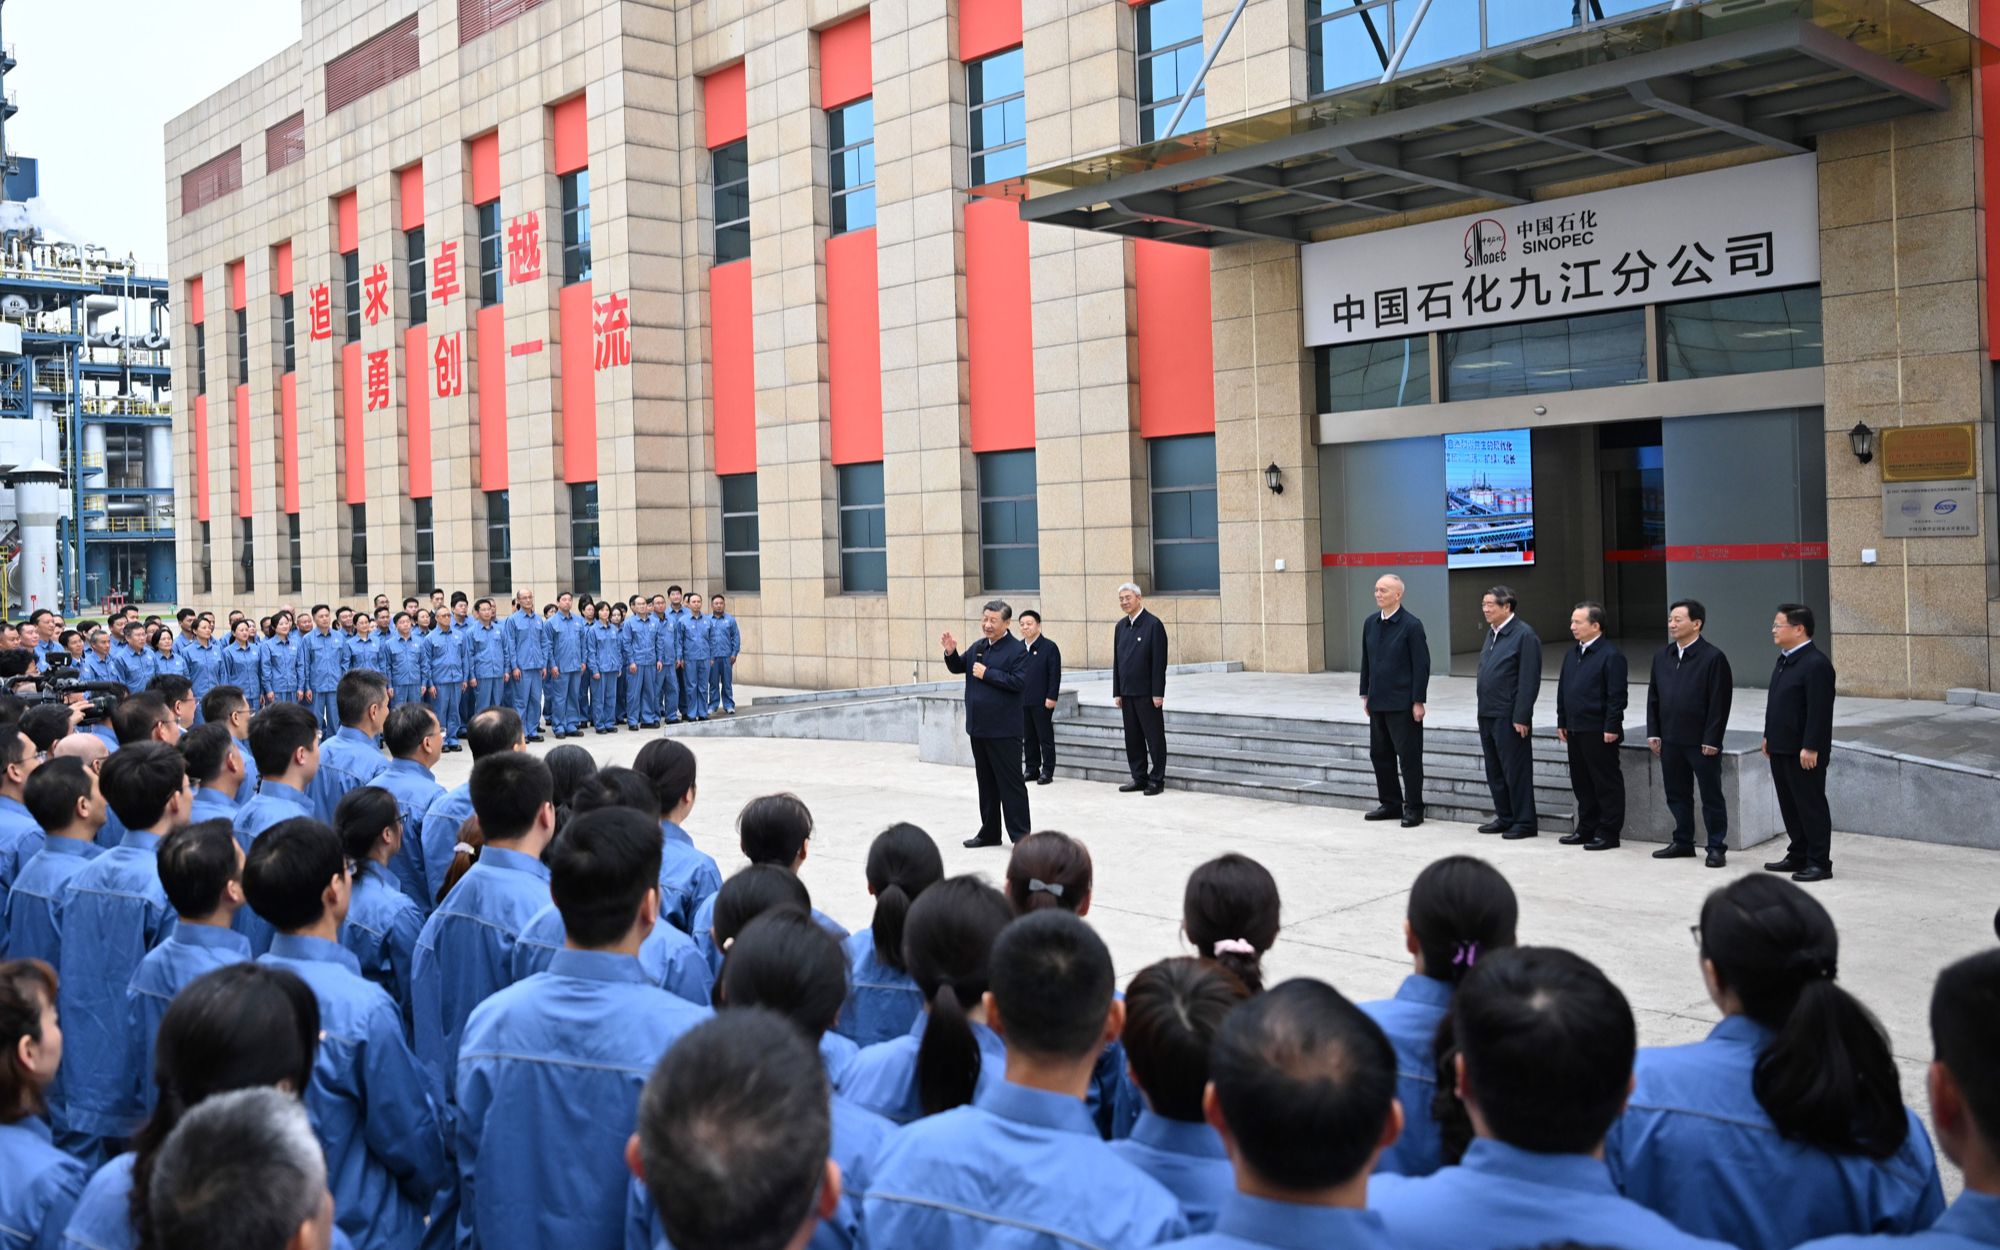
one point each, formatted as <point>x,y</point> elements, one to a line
<point>444,273</point>
<point>378,380</point>
<point>524,248</point>
<point>610,332</point>
<point>448,365</point>
<point>375,294</point>
<point>320,312</point>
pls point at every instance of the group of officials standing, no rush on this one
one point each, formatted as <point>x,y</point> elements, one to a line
<point>1687,711</point>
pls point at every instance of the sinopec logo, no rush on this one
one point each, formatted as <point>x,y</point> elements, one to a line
<point>1485,243</point>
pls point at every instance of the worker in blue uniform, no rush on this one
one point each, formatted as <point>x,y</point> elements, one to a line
<point>725,643</point>
<point>668,638</point>
<point>673,694</point>
<point>1026,1152</point>
<point>1460,909</point>
<point>382,922</point>
<point>489,660</point>
<point>385,1151</point>
<point>406,662</point>
<point>568,660</point>
<point>112,913</point>
<point>201,870</point>
<point>39,1182</point>
<point>883,1000</point>
<point>1965,1106</point>
<point>466,950</point>
<point>215,769</point>
<point>64,801</point>
<point>134,661</point>
<point>771,829</point>
<point>322,661</point>
<point>284,738</point>
<point>350,758</point>
<point>696,651</point>
<point>557,1061</point>
<point>415,745</point>
<point>494,730</point>
<point>364,649</point>
<point>642,666</point>
<point>242,664</point>
<point>20,836</point>
<point>607,664</point>
<point>97,662</point>
<point>202,654</point>
<point>1786,1123</point>
<point>229,707</point>
<point>528,666</point>
<point>284,662</point>
<point>1303,1093</point>
<point>444,676</point>
<point>1545,1049</point>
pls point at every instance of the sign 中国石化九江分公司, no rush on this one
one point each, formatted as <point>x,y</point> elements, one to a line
<point>1930,509</point>
<point>1730,231</point>
<point>1929,453</point>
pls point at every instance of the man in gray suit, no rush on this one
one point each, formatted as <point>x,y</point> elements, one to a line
<point>1510,676</point>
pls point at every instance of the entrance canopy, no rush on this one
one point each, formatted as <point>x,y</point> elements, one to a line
<point>1653,89</point>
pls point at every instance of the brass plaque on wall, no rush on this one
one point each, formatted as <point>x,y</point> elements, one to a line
<point>1929,453</point>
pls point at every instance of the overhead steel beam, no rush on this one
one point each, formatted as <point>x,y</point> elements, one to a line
<point>1165,206</point>
<point>1830,49</point>
<point>1387,158</point>
<point>1676,96</point>
<point>1525,123</point>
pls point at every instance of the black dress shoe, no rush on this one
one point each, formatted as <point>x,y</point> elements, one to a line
<point>1042,781</point>
<point>1157,788</point>
<point>1787,864</point>
<point>1813,873</point>
<point>975,843</point>
<point>1493,826</point>
<point>1384,813</point>
<point>1717,857</point>
<point>1675,850</point>
<point>1575,839</point>
<point>1601,843</point>
<point>1412,817</point>
<point>1515,835</point>
<point>1132,787</point>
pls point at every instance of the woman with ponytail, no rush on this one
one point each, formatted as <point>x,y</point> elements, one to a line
<point>1229,913</point>
<point>1461,909</point>
<point>1787,1123</point>
<point>882,1000</point>
<point>949,1054</point>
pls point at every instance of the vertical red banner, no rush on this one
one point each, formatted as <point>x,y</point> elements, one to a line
<point>579,386</point>
<point>491,345</point>
<point>417,408</point>
<point>1176,340</point>
<point>734,368</point>
<point>853,348</point>
<point>243,449</point>
<point>353,440</point>
<point>200,432</point>
<point>999,326</point>
<point>288,436</point>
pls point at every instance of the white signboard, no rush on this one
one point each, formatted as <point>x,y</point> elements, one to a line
<point>1930,509</point>
<point>1749,228</point>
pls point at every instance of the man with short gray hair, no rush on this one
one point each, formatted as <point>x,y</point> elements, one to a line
<point>995,670</point>
<point>242,1170</point>
<point>1139,690</point>
<point>1395,682</point>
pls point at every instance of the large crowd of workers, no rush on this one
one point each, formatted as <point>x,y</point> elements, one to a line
<point>348,1007</point>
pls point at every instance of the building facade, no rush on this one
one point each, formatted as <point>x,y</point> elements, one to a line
<point>867,313</point>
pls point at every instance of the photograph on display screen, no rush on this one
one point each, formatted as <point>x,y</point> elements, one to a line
<point>1489,499</point>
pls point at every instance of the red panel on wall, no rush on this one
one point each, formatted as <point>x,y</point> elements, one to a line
<point>486,168</point>
<point>410,196</point>
<point>347,217</point>
<point>491,345</point>
<point>237,296</point>
<point>1176,341</point>
<point>197,304</point>
<point>853,348</point>
<point>730,349</point>
<point>846,63</point>
<point>724,106</point>
<point>281,268</point>
<point>579,387</point>
<point>572,127</point>
<point>999,327</point>
<point>353,436</point>
<point>288,436</point>
<point>417,410</point>
<point>200,432</point>
<point>987,26</point>
<point>243,450</point>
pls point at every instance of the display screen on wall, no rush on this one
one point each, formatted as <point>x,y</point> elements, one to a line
<point>1489,499</point>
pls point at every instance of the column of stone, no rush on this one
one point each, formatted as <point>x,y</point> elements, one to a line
<point>322,529</point>
<point>458,509</point>
<point>537,498</point>
<point>390,552</point>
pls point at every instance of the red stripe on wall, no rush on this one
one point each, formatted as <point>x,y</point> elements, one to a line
<point>1706,553</point>
<point>238,298</point>
<point>724,106</point>
<point>410,196</point>
<point>1378,559</point>
<point>353,436</point>
<point>243,450</point>
<point>288,436</point>
<point>417,401</point>
<point>200,432</point>
<point>281,268</point>
<point>735,383</point>
<point>347,215</point>
<point>572,138</point>
<point>486,169</point>
<point>196,301</point>
<point>1176,340</point>
<point>846,63</point>
<point>987,26</point>
<point>491,347</point>
<point>579,387</point>
<point>999,326</point>
<point>853,348</point>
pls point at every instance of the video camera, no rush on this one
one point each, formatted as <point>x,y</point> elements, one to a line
<point>58,685</point>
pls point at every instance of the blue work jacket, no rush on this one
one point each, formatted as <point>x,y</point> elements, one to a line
<point>489,651</point>
<point>688,882</point>
<point>243,668</point>
<point>1188,1159</point>
<point>415,789</point>
<point>667,956</point>
<point>20,838</point>
<point>606,649</point>
<point>381,933</point>
<point>323,660</point>
<point>284,665</point>
<point>204,665</point>
<point>34,905</point>
<point>443,819</point>
<point>882,1001</point>
<point>275,801</point>
<point>883,1078</point>
<point>1411,1020</point>
<point>39,1186</point>
<point>565,638</point>
<point>407,661</point>
<point>190,952</point>
<point>466,950</point>
<point>1250,1223</point>
<point>527,640</point>
<point>348,760</point>
<point>444,657</point>
<point>640,634</point>
<point>1972,1223</point>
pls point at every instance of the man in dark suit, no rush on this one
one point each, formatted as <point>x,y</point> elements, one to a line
<point>993,673</point>
<point>1139,689</point>
<point>1395,682</point>
<point>1510,676</point>
<point>1687,710</point>
<point>1039,687</point>
<point>1590,719</point>
<point>1798,738</point>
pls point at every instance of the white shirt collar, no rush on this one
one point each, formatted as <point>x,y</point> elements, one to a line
<point>1681,648</point>
<point>1389,616</point>
<point>1134,618</point>
<point>1795,650</point>
<point>1585,646</point>
<point>1502,625</point>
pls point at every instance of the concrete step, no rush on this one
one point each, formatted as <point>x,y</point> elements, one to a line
<point>1271,753</point>
<point>1438,765</point>
<point>1282,733</point>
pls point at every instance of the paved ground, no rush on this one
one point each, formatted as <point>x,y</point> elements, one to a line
<point>1904,909</point>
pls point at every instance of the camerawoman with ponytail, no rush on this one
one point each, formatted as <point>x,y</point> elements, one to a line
<point>1787,1122</point>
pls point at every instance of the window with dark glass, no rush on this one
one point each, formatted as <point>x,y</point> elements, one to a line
<point>357,551</point>
<point>200,358</point>
<point>207,568</point>
<point>998,135</point>
<point>1564,354</point>
<point>731,172</point>
<point>423,524</point>
<point>298,555</point>
<point>499,545</point>
<point>850,160</point>
<point>1169,43</point>
<point>246,563</point>
<point>576,226</point>
<point>1742,334</point>
<point>413,254</point>
<point>288,360</point>
<point>585,566</point>
<point>742,568</point>
<point>864,545</point>
<point>1009,548</point>
<point>1185,555</point>
<point>242,346</point>
<point>1388,373</point>
<point>350,268</point>
<point>490,253</point>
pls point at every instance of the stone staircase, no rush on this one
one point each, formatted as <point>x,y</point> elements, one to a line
<point>1321,762</point>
